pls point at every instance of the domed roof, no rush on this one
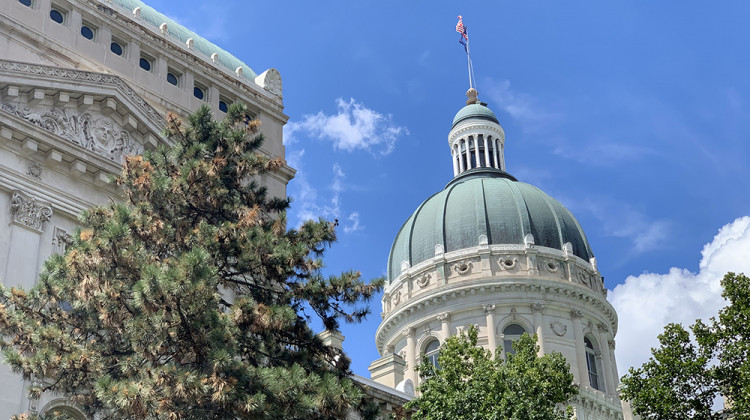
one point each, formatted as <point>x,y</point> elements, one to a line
<point>150,16</point>
<point>487,202</point>
<point>476,110</point>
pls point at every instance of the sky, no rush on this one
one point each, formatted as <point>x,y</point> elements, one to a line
<point>633,114</point>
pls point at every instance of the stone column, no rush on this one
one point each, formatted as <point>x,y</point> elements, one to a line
<point>607,360</point>
<point>489,311</point>
<point>536,310</point>
<point>28,217</point>
<point>411,354</point>
<point>468,152</point>
<point>487,162</point>
<point>455,163</point>
<point>445,319</point>
<point>460,158</point>
<point>611,348</point>
<point>583,370</point>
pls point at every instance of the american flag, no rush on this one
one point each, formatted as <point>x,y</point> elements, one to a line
<point>460,28</point>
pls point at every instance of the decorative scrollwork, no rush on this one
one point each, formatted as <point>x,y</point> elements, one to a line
<point>508,263</point>
<point>29,212</point>
<point>463,267</point>
<point>396,299</point>
<point>424,281</point>
<point>558,328</point>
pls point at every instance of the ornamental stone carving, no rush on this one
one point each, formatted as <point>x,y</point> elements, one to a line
<point>576,314</point>
<point>396,298</point>
<point>99,134</point>
<point>424,281</point>
<point>28,212</point>
<point>489,309</point>
<point>537,308</point>
<point>444,317</point>
<point>34,170</point>
<point>463,267</point>
<point>558,328</point>
<point>60,240</point>
<point>602,328</point>
<point>508,263</point>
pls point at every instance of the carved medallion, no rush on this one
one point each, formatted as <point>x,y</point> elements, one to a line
<point>463,267</point>
<point>34,170</point>
<point>558,328</point>
<point>508,263</point>
<point>423,281</point>
<point>396,298</point>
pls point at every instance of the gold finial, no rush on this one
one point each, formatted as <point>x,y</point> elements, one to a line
<point>472,95</point>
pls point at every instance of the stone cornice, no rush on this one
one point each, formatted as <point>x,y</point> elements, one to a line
<point>43,75</point>
<point>564,294</point>
<point>474,127</point>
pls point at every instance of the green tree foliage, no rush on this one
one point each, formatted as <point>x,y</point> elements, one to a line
<point>470,384</point>
<point>191,299</point>
<point>686,374</point>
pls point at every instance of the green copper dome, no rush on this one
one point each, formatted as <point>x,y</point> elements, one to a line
<point>487,202</point>
<point>477,110</point>
<point>152,18</point>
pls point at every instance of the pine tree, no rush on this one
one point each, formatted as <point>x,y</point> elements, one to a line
<point>191,298</point>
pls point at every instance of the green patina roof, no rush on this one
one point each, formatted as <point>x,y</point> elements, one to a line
<point>479,110</point>
<point>153,18</point>
<point>485,202</point>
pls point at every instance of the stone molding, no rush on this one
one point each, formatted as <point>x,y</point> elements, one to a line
<point>76,76</point>
<point>566,293</point>
<point>27,211</point>
<point>100,135</point>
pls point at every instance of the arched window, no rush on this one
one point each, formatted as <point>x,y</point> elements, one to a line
<point>511,333</point>
<point>431,351</point>
<point>591,364</point>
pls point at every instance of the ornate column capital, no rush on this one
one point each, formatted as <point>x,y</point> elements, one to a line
<point>444,317</point>
<point>611,344</point>
<point>409,332</point>
<point>489,309</point>
<point>27,211</point>
<point>537,308</point>
<point>576,314</point>
<point>602,328</point>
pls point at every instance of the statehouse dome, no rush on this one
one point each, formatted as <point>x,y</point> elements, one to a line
<point>476,110</point>
<point>484,202</point>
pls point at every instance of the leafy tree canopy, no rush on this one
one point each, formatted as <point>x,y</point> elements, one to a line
<point>470,384</point>
<point>191,299</point>
<point>687,373</point>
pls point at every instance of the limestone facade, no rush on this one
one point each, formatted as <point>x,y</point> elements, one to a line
<point>74,99</point>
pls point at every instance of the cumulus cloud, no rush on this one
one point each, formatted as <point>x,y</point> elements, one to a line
<point>647,302</point>
<point>520,106</point>
<point>622,220</point>
<point>309,204</point>
<point>352,127</point>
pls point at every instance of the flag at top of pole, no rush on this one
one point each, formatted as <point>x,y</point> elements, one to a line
<point>464,40</point>
<point>461,29</point>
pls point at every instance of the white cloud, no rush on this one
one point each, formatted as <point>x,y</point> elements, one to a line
<point>308,204</point>
<point>353,127</point>
<point>520,106</point>
<point>647,302</point>
<point>621,220</point>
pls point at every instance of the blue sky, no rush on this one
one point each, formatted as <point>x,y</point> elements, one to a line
<point>634,114</point>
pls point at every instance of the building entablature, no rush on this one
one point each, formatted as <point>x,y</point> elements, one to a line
<point>504,296</point>
<point>502,260</point>
<point>175,67</point>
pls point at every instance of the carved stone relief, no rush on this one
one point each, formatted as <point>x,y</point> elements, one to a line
<point>424,281</point>
<point>396,299</point>
<point>558,328</point>
<point>60,240</point>
<point>101,135</point>
<point>508,263</point>
<point>34,169</point>
<point>27,211</point>
<point>463,267</point>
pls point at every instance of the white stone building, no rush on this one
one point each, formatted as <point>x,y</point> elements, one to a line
<point>83,82</point>
<point>500,254</point>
